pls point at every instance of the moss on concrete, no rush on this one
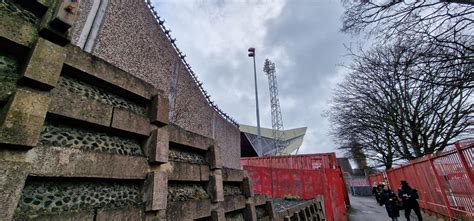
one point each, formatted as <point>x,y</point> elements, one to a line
<point>10,8</point>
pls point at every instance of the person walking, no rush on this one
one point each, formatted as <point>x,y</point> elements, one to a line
<point>379,193</point>
<point>390,200</point>
<point>375,192</point>
<point>409,198</point>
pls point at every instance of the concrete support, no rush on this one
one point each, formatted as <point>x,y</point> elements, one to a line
<point>249,212</point>
<point>216,189</point>
<point>215,157</point>
<point>156,191</point>
<point>23,118</point>
<point>159,110</point>
<point>157,145</point>
<point>44,64</point>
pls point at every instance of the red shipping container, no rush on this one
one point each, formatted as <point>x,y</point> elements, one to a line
<point>304,161</point>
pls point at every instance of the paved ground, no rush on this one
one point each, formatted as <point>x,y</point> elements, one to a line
<point>367,209</point>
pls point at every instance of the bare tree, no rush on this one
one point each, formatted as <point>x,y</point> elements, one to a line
<point>394,116</point>
<point>445,30</point>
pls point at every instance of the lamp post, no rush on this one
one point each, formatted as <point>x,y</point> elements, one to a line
<point>259,138</point>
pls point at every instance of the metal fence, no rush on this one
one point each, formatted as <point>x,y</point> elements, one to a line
<point>444,180</point>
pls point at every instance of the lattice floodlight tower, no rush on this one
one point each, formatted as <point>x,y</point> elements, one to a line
<point>277,123</point>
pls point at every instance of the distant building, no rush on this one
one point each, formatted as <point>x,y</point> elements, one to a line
<point>345,165</point>
<point>248,140</point>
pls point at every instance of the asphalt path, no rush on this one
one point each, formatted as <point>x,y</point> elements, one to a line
<point>367,209</point>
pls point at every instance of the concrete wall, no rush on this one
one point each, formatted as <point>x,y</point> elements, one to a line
<point>82,139</point>
<point>131,39</point>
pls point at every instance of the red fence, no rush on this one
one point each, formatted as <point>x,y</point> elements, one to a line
<point>280,182</point>
<point>444,181</point>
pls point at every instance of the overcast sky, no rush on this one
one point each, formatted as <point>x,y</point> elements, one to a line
<point>302,37</point>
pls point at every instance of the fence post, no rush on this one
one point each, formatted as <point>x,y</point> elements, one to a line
<point>464,163</point>
<point>443,192</point>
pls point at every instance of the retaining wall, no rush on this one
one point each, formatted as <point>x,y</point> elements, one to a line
<point>83,139</point>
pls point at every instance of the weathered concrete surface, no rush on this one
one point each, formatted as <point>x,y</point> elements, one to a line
<point>182,137</point>
<point>17,29</point>
<point>83,216</point>
<point>184,172</point>
<point>232,175</point>
<point>130,122</point>
<point>71,105</point>
<point>127,214</point>
<point>159,111</point>
<point>68,162</point>
<point>23,118</point>
<point>45,63</point>
<point>96,67</point>
<point>232,203</point>
<point>132,40</point>
<point>12,180</point>
<point>156,191</point>
<point>188,210</point>
<point>157,145</point>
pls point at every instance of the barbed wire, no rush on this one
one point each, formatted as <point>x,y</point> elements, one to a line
<point>182,56</point>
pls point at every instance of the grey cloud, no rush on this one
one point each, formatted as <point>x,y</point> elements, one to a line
<point>303,39</point>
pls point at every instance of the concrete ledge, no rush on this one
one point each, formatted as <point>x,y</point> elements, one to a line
<point>68,162</point>
<point>23,117</point>
<point>232,203</point>
<point>98,68</point>
<point>232,175</point>
<point>44,64</point>
<point>188,210</point>
<point>17,30</point>
<point>156,191</point>
<point>81,216</point>
<point>184,172</point>
<point>123,214</point>
<point>65,103</point>
<point>128,121</point>
<point>182,137</point>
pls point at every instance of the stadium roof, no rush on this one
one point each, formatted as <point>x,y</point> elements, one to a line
<point>293,137</point>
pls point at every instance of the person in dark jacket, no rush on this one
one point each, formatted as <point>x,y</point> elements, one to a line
<point>379,193</point>
<point>375,192</point>
<point>390,200</point>
<point>409,197</point>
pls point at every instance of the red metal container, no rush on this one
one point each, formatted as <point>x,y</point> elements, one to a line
<point>303,162</point>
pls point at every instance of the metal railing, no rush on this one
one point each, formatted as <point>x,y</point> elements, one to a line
<point>444,180</point>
